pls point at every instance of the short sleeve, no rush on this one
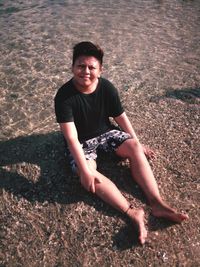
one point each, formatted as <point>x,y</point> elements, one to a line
<point>114,104</point>
<point>63,111</point>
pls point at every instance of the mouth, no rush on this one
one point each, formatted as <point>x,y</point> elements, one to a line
<point>85,77</point>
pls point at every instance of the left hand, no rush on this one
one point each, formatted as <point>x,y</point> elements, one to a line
<point>149,153</point>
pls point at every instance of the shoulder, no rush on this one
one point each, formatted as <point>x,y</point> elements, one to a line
<point>107,85</point>
<point>65,91</point>
<point>108,88</point>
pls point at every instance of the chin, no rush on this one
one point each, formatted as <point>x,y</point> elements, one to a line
<point>85,84</point>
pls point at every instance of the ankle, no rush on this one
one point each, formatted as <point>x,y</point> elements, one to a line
<point>156,202</point>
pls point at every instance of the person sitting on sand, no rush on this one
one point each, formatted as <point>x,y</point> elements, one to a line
<point>83,107</point>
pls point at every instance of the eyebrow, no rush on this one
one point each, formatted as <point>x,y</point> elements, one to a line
<point>84,65</point>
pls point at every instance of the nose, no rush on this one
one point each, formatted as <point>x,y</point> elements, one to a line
<point>86,70</point>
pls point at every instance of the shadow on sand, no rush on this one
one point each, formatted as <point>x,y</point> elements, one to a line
<point>187,95</point>
<point>34,167</point>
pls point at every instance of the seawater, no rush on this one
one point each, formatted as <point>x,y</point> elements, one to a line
<point>147,43</point>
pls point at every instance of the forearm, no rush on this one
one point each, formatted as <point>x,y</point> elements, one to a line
<point>78,155</point>
<point>70,134</point>
<point>87,177</point>
<point>125,125</point>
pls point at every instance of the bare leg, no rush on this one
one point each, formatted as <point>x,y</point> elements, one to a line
<point>108,192</point>
<point>143,175</point>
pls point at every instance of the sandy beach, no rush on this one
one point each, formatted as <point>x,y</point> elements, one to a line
<point>152,55</point>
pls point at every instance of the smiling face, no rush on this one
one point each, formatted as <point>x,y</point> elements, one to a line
<point>86,71</point>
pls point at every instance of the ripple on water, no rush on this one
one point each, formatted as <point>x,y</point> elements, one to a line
<point>149,46</point>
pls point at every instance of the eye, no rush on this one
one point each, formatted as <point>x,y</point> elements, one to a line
<point>81,66</point>
<point>92,68</point>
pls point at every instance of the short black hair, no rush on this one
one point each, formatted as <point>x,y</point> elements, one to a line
<point>87,49</point>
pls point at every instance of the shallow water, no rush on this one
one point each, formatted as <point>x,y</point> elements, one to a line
<point>150,45</point>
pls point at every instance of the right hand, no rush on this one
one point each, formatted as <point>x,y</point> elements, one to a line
<point>88,180</point>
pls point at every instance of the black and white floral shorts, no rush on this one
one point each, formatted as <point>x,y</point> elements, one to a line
<point>107,142</point>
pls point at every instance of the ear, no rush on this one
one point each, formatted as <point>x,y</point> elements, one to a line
<point>101,70</point>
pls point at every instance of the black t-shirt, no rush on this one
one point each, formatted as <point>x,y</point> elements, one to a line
<point>89,112</point>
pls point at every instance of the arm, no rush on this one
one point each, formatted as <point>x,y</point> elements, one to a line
<point>123,121</point>
<point>70,133</point>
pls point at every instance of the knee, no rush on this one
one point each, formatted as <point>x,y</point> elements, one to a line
<point>133,146</point>
<point>92,165</point>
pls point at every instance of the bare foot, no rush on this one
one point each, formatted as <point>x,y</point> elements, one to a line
<point>137,217</point>
<point>164,211</point>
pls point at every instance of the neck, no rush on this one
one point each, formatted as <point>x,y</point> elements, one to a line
<point>87,89</point>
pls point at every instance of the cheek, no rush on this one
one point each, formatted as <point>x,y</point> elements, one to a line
<point>94,76</point>
<point>98,74</point>
<point>76,73</point>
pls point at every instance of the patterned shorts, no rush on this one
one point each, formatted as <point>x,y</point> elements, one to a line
<point>107,142</point>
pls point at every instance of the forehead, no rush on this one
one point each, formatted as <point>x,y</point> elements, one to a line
<point>87,60</point>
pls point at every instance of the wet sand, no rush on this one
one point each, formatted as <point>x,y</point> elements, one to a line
<point>152,56</point>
